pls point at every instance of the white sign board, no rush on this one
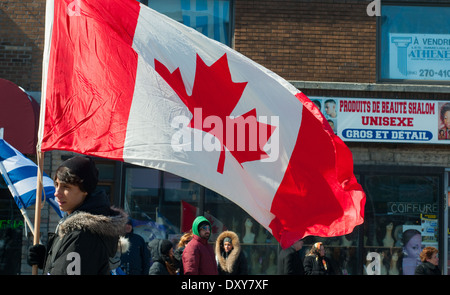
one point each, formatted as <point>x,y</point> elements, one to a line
<point>387,120</point>
<point>419,56</point>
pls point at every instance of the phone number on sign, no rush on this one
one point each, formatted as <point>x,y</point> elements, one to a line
<point>433,73</point>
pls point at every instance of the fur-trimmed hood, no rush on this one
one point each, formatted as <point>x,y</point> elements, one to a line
<point>227,263</point>
<point>107,226</point>
<point>95,215</point>
<point>92,231</point>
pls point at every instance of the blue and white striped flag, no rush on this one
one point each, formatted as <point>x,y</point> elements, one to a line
<point>20,174</point>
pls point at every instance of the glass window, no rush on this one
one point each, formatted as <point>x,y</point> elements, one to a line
<point>341,251</point>
<point>447,186</point>
<point>414,43</point>
<point>401,219</point>
<point>258,245</point>
<point>162,205</point>
<point>11,231</point>
<point>209,17</point>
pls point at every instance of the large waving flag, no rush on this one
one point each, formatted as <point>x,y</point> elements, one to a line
<point>124,82</point>
<point>20,174</point>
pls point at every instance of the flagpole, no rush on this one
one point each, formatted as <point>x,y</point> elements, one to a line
<point>37,209</point>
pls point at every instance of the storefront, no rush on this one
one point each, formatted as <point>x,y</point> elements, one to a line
<point>163,205</point>
<point>404,212</point>
<point>19,114</point>
<point>406,206</point>
<point>11,233</point>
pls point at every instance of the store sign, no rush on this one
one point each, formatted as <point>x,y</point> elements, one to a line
<point>384,120</point>
<point>411,208</point>
<point>8,223</point>
<point>419,56</point>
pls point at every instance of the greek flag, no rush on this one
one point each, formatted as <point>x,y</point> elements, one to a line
<point>20,174</point>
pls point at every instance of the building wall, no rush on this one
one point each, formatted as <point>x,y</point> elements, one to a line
<point>328,41</point>
<point>22,42</point>
<point>309,40</point>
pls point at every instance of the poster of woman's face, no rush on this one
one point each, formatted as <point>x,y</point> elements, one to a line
<point>444,121</point>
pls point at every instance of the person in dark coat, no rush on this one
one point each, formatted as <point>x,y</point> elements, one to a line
<point>289,261</point>
<point>162,257</point>
<point>316,263</point>
<point>231,260</point>
<point>198,256</point>
<point>135,261</point>
<point>430,262</point>
<point>88,236</point>
<point>178,253</point>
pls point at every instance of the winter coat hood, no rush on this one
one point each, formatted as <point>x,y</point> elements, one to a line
<point>227,262</point>
<point>92,231</point>
<point>95,216</point>
<point>197,222</point>
<point>155,249</point>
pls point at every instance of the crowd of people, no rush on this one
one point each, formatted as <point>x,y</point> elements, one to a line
<point>94,238</point>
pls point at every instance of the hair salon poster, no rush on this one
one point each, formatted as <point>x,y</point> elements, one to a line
<point>387,120</point>
<point>419,56</point>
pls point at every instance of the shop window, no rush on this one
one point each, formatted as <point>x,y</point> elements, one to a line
<point>11,230</point>
<point>209,17</point>
<point>401,218</point>
<point>342,252</point>
<point>258,245</point>
<point>160,203</point>
<point>447,190</point>
<point>414,43</point>
<point>106,178</point>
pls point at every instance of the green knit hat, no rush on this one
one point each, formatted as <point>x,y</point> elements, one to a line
<point>197,222</point>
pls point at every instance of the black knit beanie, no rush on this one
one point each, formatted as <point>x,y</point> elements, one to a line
<point>84,168</point>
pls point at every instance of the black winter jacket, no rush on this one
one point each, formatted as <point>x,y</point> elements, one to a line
<point>289,262</point>
<point>159,260</point>
<point>314,265</point>
<point>86,239</point>
<point>427,268</point>
<point>136,261</point>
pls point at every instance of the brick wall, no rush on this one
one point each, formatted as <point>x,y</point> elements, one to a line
<point>310,40</point>
<point>22,42</point>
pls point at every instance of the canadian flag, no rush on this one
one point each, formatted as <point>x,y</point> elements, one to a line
<point>124,82</point>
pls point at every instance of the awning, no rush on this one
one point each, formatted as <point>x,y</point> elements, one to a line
<point>19,117</point>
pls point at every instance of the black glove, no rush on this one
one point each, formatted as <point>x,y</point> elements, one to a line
<point>36,255</point>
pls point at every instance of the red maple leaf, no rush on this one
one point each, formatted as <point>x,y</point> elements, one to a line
<point>215,94</point>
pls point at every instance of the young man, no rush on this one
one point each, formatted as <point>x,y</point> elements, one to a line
<point>88,236</point>
<point>330,108</point>
<point>198,256</point>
